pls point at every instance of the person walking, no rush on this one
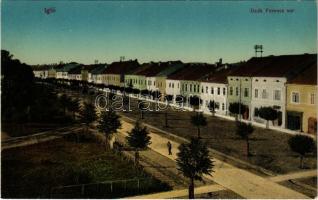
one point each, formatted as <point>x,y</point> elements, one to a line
<point>169,148</point>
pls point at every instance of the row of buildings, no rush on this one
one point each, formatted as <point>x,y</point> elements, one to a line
<point>287,83</point>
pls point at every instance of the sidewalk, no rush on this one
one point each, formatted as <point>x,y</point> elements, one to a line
<point>296,175</point>
<point>242,182</point>
<point>181,193</point>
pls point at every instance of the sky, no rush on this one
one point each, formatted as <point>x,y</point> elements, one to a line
<point>190,31</point>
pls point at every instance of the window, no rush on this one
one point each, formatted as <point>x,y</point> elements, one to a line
<point>212,90</point>
<point>206,89</point>
<point>202,90</point>
<point>231,90</point>
<point>169,85</point>
<point>245,92</point>
<point>295,97</point>
<point>194,88</point>
<point>264,94</point>
<point>256,93</point>
<point>178,85</point>
<point>277,95</point>
<point>237,91</point>
<point>219,91</point>
<point>172,85</point>
<point>224,91</point>
<point>312,98</point>
<point>190,87</point>
<point>186,87</point>
<point>222,106</point>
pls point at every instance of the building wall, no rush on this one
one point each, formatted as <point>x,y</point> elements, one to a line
<point>111,79</point>
<point>238,84</point>
<point>216,92</point>
<point>137,81</point>
<point>161,84</point>
<point>307,105</point>
<point>263,95</point>
<point>151,84</point>
<point>84,75</point>
<point>173,87</point>
<point>75,77</point>
<point>62,75</point>
<point>51,73</point>
<point>189,89</point>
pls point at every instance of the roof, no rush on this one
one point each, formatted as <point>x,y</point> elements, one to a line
<point>220,76</point>
<point>170,67</point>
<point>274,66</point>
<point>122,67</point>
<point>142,70</point>
<point>287,65</point>
<point>251,67</point>
<point>43,67</point>
<point>307,76</point>
<point>67,67</point>
<point>89,68</point>
<point>99,69</point>
<point>75,70</point>
<point>197,71</point>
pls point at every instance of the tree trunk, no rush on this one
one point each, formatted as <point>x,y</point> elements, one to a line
<point>166,119</point>
<point>191,189</point>
<point>248,147</point>
<point>199,135</point>
<point>301,162</point>
<point>136,158</point>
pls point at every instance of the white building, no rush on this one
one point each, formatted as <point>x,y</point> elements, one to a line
<point>62,73</point>
<point>269,92</point>
<point>173,87</point>
<point>214,92</point>
<point>151,83</point>
<point>41,73</point>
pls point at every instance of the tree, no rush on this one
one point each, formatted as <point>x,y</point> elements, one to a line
<point>302,145</point>
<point>17,88</point>
<point>139,139</point>
<point>194,161</point>
<point>268,113</point>
<point>87,114</point>
<point>198,121</point>
<point>244,131</point>
<point>73,106</point>
<point>109,123</point>
<point>65,101</point>
<point>194,102</point>
<point>237,109</point>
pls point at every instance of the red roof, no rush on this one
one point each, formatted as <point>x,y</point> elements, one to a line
<point>220,76</point>
<point>123,67</point>
<point>275,66</point>
<point>283,66</point>
<point>306,77</point>
<point>192,71</point>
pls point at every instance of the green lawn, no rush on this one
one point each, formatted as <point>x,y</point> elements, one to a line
<point>31,172</point>
<point>269,148</point>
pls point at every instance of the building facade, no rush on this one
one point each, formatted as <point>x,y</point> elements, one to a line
<point>301,101</point>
